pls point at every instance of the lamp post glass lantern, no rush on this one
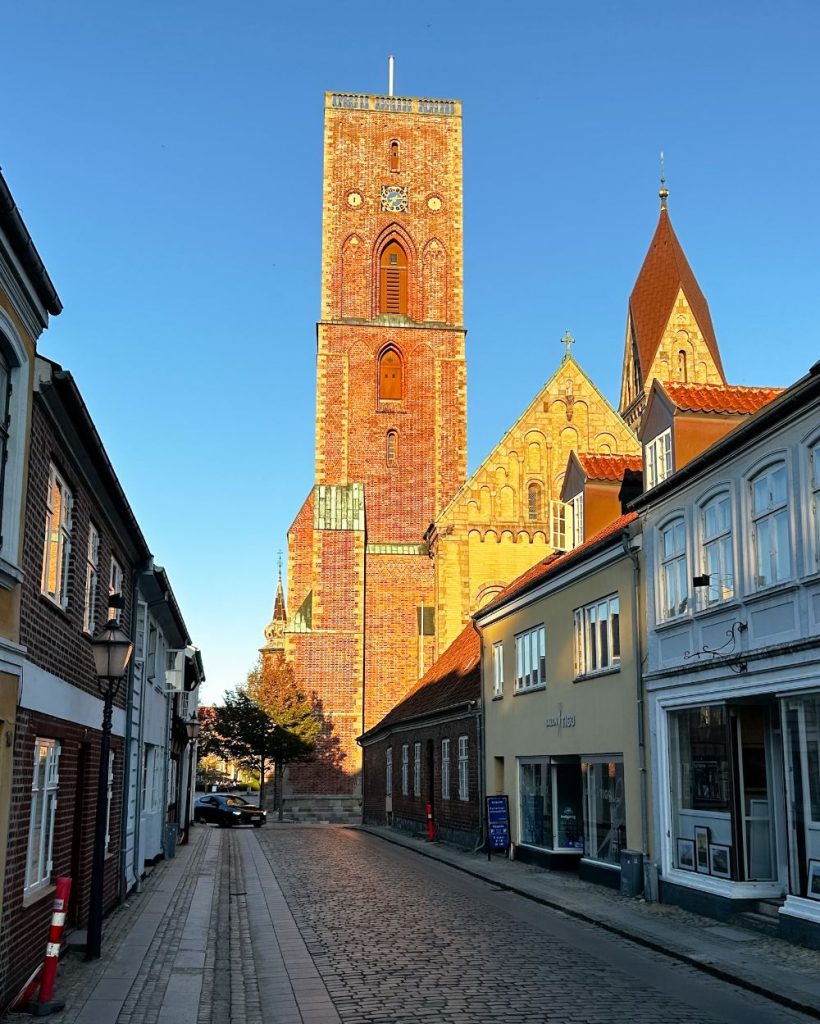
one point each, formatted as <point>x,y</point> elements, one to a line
<point>112,650</point>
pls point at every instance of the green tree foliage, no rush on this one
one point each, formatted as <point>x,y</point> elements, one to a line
<point>242,731</point>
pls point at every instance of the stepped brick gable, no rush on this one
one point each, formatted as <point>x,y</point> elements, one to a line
<point>509,515</point>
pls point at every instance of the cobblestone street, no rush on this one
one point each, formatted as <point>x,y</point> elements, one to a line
<point>319,924</point>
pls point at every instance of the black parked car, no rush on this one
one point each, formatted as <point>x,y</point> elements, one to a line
<point>226,811</point>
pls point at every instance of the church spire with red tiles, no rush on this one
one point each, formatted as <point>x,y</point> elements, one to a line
<point>669,333</point>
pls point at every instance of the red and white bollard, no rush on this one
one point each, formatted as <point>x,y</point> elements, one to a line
<point>46,1004</point>
<point>430,835</point>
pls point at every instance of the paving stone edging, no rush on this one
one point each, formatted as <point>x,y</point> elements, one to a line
<point>732,977</point>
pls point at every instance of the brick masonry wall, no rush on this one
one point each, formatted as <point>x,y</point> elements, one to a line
<point>25,923</point>
<point>54,636</point>
<point>454,819</point>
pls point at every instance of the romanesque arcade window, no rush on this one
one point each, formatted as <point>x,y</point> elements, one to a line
<point>393,280</point>
<point>392,447</point>
<point>534,502</point>
<point>390,374</point>
<point>394,154</point>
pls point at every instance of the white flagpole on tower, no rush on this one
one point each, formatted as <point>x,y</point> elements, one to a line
<point>390,62</point>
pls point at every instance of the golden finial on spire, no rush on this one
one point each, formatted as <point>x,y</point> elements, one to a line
<point>663,191</point>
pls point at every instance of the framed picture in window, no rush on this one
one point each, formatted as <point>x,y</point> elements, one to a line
<point>720,860</point>
<point>702,848</point>
<point>813,888</point>
<point>686,854</point>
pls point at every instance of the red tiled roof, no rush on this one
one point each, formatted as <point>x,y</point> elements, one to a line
<point>726,398</point>
<point>608,467</point>
<point>453,679</point>
<point>664,272</point>
<point>555,562</point>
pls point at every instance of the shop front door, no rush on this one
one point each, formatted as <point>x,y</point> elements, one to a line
<point>754,815</point>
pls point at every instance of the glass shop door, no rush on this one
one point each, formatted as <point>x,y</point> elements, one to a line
<point>754,806</point>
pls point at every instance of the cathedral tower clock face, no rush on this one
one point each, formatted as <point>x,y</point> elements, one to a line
<point>394,198</point>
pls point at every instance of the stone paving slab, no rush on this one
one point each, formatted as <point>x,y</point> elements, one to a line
<point>760,963</point>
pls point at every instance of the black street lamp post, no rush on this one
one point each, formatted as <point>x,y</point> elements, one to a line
<point>112,651</point>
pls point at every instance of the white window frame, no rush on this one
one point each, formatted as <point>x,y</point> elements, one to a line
<point>110,800</point>
<point>658,458</point>
<point>388,770</point>
<point>814,489</point>
<point>531,659</point>
<point>417,769</point>
<point>445,769</point>
<point>594,628</point>
<point>463,768</point>
<point>405,769</point>
<point>57,541</point>
<point>17,433</point>
<point>115,578</point>
<point>45,785</point>
<point>498,670</point>
<point>92,565</point>
<point>717,549</point>
<point>576,503</point>
<point>561,519</point>
<point>674,571</point>
<point>768,518</point>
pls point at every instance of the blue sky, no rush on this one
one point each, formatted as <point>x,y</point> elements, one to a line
<point>167,160</point>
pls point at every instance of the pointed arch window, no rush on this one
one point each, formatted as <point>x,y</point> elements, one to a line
<point>534,502</point>
<point>393,280</point>
<point>394,154</point>
<point>390,376</point>
<point>392,447</point>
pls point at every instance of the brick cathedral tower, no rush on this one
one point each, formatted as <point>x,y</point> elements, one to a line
<point>390,422</point>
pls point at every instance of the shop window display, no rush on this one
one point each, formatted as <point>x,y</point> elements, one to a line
<point>550,804</point>
<point>604,810</point>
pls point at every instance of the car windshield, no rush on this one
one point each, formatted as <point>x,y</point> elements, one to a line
<point>236,801</point>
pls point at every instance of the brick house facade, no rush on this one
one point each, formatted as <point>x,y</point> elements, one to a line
<point>425,752</point>
<point>81,542</point>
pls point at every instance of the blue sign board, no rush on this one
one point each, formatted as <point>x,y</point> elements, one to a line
<point>498,823</point>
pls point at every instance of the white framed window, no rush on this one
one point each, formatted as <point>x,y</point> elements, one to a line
<point>115,578</point>
<point>463,768</point>
<point>814,483</point>
<point>674,582</point>
<point>57,546</point>
<point>445,769</point>
<point>498,670</point>
<point>770,526</point>
<point>92,565</point>
<point>659,458</point>
<point>531,659</point>
<point>576,504</point>
<point>405,769</point>
<point>416,769</point>
<point>597,636</point>
<point>718,560</point>
<point>388,771</point>
<point>44,785</point>
<point>560,522</point>
<point>110,799</point>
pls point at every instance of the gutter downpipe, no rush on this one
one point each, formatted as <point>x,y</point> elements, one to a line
<point>482,767</point>
<point>639,701</point>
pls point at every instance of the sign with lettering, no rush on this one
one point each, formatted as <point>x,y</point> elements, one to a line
<point>498,823</point>
<point>560,721</point>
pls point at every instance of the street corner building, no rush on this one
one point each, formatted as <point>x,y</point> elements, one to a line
<point>71,549</point>
<point>422,761</point>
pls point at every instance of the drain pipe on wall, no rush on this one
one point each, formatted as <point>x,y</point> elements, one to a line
<point>639,701</point>
<point>482,767</point>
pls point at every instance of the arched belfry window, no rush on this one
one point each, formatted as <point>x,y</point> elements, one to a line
<point>534,502</point>
<point>394,154</point>
<point>392,448</point>
<point>393,280</point>
<point>390,371</point>
<point>682,369</point>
